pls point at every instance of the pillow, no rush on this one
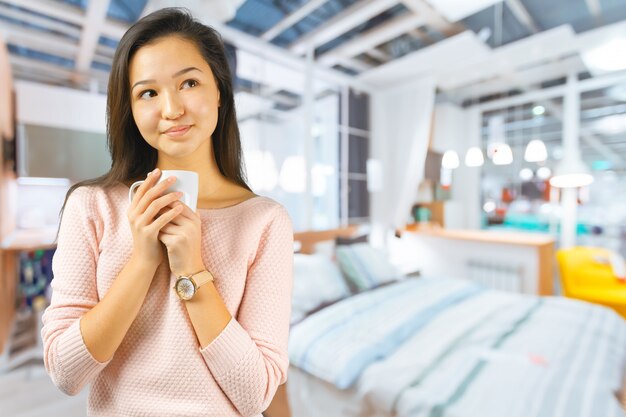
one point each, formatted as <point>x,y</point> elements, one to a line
<point>340,241</point>
<point>316,281</point>
<point>325,248</point>
<point>365,267</point>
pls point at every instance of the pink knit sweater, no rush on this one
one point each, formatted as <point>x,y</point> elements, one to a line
<point>160,369</point>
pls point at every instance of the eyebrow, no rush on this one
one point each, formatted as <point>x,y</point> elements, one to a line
<point>176,74</point>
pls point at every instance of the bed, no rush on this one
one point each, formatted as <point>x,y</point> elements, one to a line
<point>444,347</point>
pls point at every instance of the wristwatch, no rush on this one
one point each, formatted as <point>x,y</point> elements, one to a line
<point>187,286</point>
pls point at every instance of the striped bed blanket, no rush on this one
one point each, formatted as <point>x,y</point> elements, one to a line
<point>441,347</point>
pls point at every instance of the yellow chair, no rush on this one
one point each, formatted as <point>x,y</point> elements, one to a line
<point>586,276</point>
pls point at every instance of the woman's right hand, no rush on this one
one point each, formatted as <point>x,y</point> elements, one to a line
<point>149,211</point>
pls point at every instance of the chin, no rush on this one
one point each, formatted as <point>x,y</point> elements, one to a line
<point>180,149</point>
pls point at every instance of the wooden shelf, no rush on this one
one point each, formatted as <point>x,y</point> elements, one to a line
<point>30,239</point>
<point>507,238</point>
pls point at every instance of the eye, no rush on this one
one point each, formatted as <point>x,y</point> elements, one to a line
<point>190,83</point>
<point>146,94</point>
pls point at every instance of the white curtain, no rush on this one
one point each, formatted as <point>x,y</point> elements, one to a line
<point>401,126</point>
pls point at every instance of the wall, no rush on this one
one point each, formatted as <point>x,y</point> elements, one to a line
<point>63,108</point>
<point>458,129</point>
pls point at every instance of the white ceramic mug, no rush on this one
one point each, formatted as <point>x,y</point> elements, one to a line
<point>186,181</point>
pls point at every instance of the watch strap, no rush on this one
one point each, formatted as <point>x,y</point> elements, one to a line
<point>201,278</point>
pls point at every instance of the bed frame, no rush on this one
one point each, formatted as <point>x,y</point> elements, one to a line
<point>279,406</point>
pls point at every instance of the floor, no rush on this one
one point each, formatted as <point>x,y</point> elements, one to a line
<point>29,392</point>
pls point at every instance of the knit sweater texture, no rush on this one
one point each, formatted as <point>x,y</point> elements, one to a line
<point>160,369</point>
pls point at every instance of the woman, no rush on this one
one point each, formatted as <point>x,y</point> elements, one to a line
<point>115,320</point>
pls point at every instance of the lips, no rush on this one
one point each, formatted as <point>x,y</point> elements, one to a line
<point>177,130</point>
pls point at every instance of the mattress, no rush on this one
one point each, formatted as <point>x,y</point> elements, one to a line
<point>449,348</point>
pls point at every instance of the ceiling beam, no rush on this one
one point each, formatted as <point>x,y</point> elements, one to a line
<point>55,9</point>
<point>24,16</point>
<point>105,51</point>
<point>433,18</point>
<point>596,9</point>
<point>348,19</point>
<point>420,34</point>
<point>533,50</point>
<point>590,84</point>
<point>292,19</point>
<point>25,65</point>
<point>40,41</point>
<point>47,43</point>
<point>354,64</point>
<point>522,15</point>
<point>113,29</point>
<point>279,56</point>
<point>378,54</point>
<point>71,14</point>
<point>96,15</point>
<point>521,79</point>
<point>387,31</point>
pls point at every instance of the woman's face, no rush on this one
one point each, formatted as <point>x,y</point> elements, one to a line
<point>174,97</point>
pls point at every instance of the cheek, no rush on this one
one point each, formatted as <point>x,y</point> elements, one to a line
<point>205,110</point>
<point>146,119</point>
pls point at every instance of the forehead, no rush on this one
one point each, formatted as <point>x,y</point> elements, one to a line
<point>164,57</point>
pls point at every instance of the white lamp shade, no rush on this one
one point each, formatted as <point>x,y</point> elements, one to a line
<point>536,151</point>
<point>503,155</point>
<point>526,174</point>
<point>544,173</point>
<point>474,157</point>
<point>293,175</point>
<point>450,160</point>
<point>571,173</point>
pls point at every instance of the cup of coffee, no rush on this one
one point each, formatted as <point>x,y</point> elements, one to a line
<point>186,182</point>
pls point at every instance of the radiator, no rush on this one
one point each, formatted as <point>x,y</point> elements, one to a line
<point>496,275</point>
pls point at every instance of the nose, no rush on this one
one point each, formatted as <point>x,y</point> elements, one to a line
<point>172,106</point>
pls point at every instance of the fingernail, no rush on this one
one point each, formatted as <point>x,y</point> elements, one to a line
<point>179,194</point>
<point>156,171</point>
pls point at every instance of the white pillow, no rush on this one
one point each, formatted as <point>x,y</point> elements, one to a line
<point>326,248</point>
<point>316,280</point>
<point>366,267</point>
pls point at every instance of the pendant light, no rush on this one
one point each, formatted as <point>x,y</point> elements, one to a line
<point>502,153</point>
<point>474,157</point>
<point>571,172</point>
<point>536,151</point>
<point>450,160</point>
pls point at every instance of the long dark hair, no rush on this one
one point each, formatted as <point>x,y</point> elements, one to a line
<point>132,157</point>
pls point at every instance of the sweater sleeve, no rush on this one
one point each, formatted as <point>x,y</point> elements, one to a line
<point>249,358</point>
<point>66,358</point>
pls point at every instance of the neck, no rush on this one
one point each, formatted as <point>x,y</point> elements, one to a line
<point>210,179</point>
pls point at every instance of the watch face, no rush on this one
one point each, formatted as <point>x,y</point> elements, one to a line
<point>185,288</point>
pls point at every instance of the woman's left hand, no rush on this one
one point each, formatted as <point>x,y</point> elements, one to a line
<point>182,238</point>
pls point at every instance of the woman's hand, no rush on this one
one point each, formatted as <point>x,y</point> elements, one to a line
<point>148,213</point>
<point>182,238</point>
